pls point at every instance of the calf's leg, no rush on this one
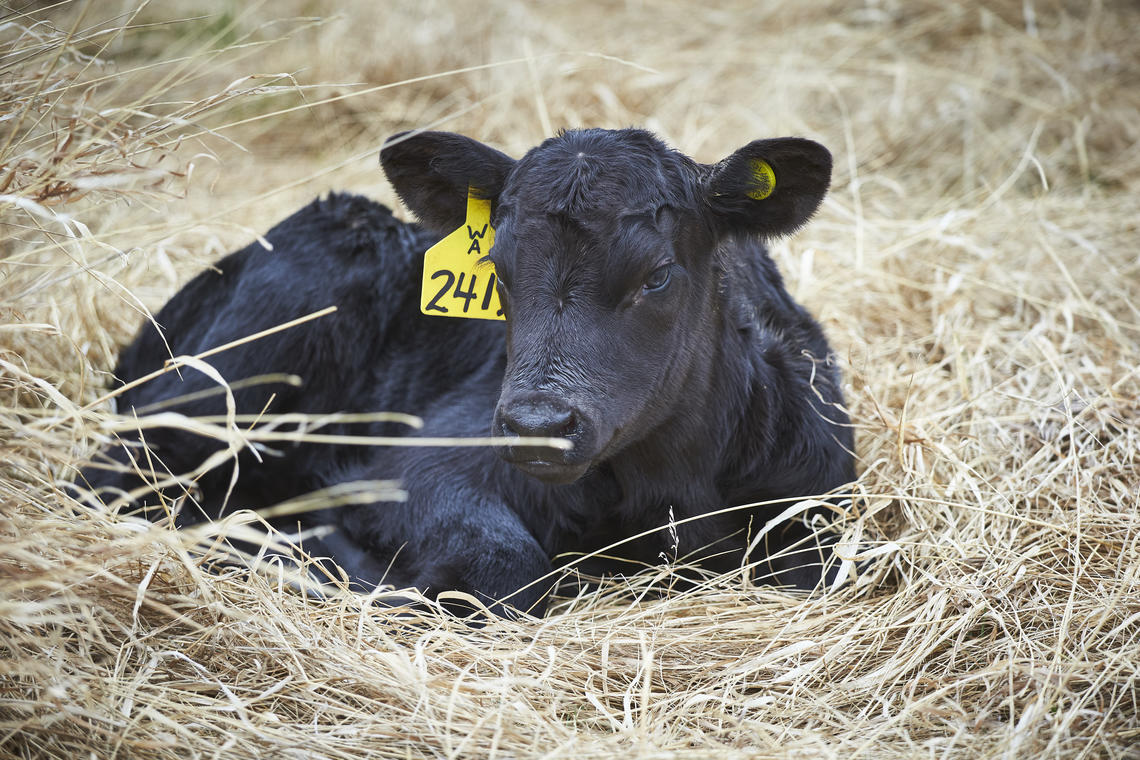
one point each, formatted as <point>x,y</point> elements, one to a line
<point>442,540</point>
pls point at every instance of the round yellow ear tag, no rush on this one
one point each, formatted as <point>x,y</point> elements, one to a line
<point>763,178</point>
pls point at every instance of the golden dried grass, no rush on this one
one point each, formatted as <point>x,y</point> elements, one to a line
<point>976,266</point>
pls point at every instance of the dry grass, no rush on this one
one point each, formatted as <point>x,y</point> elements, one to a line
<point>976,265</point>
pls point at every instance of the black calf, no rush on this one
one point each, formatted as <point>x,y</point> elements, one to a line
<point>645,323</point>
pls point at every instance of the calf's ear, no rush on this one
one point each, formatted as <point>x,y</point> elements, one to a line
<point>768,187</point>
<point>431,172</point>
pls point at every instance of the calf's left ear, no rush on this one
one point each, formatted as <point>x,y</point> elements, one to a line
<point>768,187</point>
<point>432,171</point>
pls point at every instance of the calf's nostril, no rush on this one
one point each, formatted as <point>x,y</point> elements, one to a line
<point>569,427</point>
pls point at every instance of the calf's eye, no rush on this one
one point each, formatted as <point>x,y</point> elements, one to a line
<point>658,278</point>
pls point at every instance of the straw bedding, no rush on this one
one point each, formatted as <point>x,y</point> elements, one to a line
<point>975,266</point>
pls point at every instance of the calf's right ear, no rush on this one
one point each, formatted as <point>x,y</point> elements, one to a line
<point>768,187</point>
<point>431,172</point>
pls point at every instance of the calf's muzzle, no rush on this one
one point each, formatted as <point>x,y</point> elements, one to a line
<point>544,415</point>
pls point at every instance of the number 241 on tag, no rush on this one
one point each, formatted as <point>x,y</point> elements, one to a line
<point>488,307</point>
<point>458,279</point>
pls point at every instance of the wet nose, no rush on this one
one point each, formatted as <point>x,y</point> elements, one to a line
<point>540,418</point>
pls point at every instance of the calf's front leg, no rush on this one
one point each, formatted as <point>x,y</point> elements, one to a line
<point>460,539</point>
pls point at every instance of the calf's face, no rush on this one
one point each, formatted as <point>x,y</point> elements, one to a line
<point>605,251</point>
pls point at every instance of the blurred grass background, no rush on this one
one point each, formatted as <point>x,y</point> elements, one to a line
<point>976,267</point>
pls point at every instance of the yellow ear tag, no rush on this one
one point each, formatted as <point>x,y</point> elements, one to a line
<point>458,281</point>
<point>763,178</point>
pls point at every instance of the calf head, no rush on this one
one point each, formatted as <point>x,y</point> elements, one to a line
<point>608,251</point>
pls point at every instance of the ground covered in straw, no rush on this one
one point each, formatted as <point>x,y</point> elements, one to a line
<point>976,267</point>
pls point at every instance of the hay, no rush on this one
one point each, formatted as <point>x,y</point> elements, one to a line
<point>975,265</point>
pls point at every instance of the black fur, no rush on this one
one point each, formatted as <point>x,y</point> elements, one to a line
<point>646,324</point>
